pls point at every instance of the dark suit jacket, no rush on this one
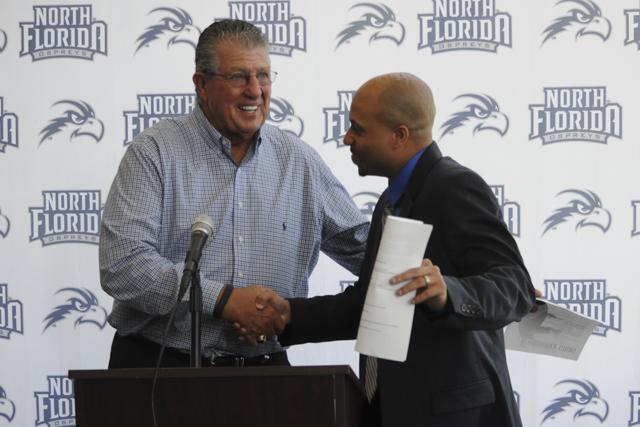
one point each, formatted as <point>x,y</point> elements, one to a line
<point>456,372</point>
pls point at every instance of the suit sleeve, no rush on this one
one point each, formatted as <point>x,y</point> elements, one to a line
<point>332,317</point>
<point>488,285</point>
<point>324,318</point>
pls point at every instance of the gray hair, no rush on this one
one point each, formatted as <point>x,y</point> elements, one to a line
<point>231,30</point>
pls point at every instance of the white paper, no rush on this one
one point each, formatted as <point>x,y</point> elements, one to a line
<point>386,321</point>
<point>552,330</point>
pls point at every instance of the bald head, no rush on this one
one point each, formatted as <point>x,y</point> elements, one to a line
<point>403,99</point>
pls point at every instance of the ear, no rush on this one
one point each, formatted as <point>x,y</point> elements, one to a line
<point>401,136</point>
<point>200,81</point>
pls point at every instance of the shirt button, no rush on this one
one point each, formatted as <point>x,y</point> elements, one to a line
<point>241,205</point>
<point>240,274</point>
<point>241,239</point>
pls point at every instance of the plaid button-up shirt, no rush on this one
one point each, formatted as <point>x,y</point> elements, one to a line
<point>272,215</point>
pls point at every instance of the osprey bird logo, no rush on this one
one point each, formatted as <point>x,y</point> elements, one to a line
<point>175,26</point>
<point>376,23</point>
<point>583,209</point>
<point>3,42</point>
<point>78,120</point>
<point>7,408</point>
<point>583,19</point>
<point>366,201</point>
<point>482,113</point>
<point>81,307</point>
<point>5,225</point>
<point>581,400</point>
<point>281,114</point>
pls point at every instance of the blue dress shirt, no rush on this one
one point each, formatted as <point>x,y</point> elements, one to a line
<point>398,183</point>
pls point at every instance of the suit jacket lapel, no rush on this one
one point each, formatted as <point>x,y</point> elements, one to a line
<point>373,241</point>
<point>428,160</point>
<point>376,222</point>
<point>430,157</point>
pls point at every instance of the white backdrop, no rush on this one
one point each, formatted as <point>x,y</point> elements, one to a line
<point>540,97</point>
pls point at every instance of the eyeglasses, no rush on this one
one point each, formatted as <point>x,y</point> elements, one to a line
<point>240,79</point>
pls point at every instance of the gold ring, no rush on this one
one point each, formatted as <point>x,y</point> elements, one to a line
<point>261,338</point>
<point>426,280</point>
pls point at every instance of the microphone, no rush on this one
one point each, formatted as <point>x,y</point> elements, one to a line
<point>201,228</point>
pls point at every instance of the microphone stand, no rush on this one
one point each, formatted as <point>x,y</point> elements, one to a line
<point>195,300</point>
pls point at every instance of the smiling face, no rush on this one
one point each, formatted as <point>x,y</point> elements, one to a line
<point>236,112</point>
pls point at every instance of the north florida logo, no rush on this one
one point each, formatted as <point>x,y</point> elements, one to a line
<point>7,407</point>
<point>76,120</point>
<point>285,31</point>
<point>464,25</point>
<point>579,402</point>
<point>336,119</point>
<point>174,26</point>
<point>481,113</point>
<point>11,315</point>
<point>588,297</point>
<point>583,18</point>
<point>633,27</point>
<point>575,114</point>
<point>3,40</point>
<point>154,107</point>
<point>81,307</point>
<point>634,417</point>
<point>635,229</point>
<point>579,209</point>
<point>282,115</point>
<point>5,225</point>
<point>67,216</point>
<point>510,210</point>
<point>366,201</point>
<point>56,406</point>
<point>63,32</point>
<point>376,22</point>
<point>8,128</point>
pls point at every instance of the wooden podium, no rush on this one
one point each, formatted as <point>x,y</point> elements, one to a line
<point>322,396</point>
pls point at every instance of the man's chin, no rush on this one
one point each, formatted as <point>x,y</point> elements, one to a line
<point>252,128</point>
<point>249,121</point>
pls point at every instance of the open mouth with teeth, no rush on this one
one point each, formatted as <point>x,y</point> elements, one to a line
<point>249,108</point>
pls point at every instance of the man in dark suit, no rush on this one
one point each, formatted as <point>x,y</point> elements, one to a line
<point>471,284</point>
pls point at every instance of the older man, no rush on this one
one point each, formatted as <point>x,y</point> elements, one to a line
<point>273,201</point>
<point>471,283</point>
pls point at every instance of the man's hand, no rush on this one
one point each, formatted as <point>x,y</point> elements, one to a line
<point>427,278</point>
<point>538,294</point>
<point>241,309</point>
<point>273,304</point>
<point>257,311</point>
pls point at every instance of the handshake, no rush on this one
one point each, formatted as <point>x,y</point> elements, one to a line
<point>257,313</point>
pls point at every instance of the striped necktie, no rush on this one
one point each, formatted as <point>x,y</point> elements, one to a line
<point>371,362</point>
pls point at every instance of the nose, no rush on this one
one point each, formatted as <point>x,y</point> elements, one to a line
<point>253,89</point>
<point>348,139</point>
